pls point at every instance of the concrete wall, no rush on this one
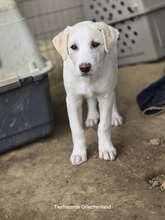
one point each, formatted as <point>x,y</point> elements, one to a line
<point>47,17</point>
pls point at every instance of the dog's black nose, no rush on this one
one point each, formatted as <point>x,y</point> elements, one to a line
<point>85,67</point>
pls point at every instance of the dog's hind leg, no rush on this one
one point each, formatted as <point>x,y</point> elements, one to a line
<point>116,118</point>
<point>93,115</point>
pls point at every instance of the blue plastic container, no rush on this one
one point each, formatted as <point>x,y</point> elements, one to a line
<point>25,104</point>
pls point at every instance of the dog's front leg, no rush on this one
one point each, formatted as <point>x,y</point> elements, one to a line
<point>74,107</point>
<point>106,148</point>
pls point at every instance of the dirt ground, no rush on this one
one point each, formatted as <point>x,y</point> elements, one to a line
<point>37,181</point>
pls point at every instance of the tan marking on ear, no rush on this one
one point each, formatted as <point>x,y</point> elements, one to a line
<point>61,42</point>
<point>110,35</point>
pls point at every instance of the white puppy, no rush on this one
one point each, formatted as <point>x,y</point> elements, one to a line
<point>90,70</point>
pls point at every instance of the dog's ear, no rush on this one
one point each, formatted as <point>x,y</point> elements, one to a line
<point>110,35</point>
<point>61,42</point>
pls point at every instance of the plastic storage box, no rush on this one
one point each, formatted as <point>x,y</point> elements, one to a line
<point>25,104</point>
<point>140,23</point>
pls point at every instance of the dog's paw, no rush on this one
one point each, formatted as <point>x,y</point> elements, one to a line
<point>76,159</point>
<point>116,120</point>
<point>92,121</point>
<point>108,153</point>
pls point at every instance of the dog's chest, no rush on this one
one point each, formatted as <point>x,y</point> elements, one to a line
<point>88,88</point>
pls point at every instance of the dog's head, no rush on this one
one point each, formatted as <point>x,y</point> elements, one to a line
<point>86,44</point>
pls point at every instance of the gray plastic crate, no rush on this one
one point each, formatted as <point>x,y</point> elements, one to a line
<point>25,104</point>
<point>140,23</point>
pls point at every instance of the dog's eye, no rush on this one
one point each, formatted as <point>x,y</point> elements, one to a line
<point>74,47</point>
<point>95,44</point>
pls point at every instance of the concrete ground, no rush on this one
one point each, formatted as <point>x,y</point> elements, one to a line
<point>37,181</point>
